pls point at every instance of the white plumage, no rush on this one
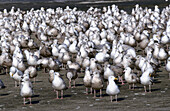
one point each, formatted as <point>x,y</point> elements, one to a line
<point>112,89</point>
<point>58,84</point>
<point>145,79</point>
<point>26,88</point>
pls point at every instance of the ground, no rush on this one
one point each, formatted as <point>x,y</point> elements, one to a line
<point>75,98</point>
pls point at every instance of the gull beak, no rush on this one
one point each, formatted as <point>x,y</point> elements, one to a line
<point>116,79</point>
<point>150,75</point>
<point>12,74</point>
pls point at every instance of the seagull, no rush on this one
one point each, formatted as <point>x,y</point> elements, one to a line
<point>108,71</point>
<point>130,77</point>
<point>16,75</point>
<point>51,76</point>
<point>26,88</point>
<point>97,83</point>
<point>58,84</point>
<point>146,79</point>
<point>72,75</point>
<point>32,72</point>
<point>87,79</point>
<point>112,89</point>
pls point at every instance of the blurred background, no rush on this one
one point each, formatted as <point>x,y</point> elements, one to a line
<point>81,4</point>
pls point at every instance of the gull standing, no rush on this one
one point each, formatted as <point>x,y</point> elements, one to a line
<point>97,83</point>
<point>58,84</point>
<point>26,88</point>
<point>87,79</point>
<point>146,79</point>
<point>130,77</point>
<point>112,89</point>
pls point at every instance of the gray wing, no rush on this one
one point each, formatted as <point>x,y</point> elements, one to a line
<point>134,76</point>
<point>151,80</point>
<point>30,85</point>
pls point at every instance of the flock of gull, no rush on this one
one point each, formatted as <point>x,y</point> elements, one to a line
<point>106,45</point>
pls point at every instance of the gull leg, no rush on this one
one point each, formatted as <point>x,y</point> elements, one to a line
<point>94,93</point>
<point>15,83</point>
<point>34,80</point>
<point>167,46</point>
<point>69,83</point>
<point>24,101</point>
<point>145,89</point>
<point>91,90</point>
<point>74,82</point>
<point>61,94</point>
<point>133,86</point>
<point>116,97</point>
<point>100,93</point>
<point>150,88</point>
<point>86,90</point>
<point>57,94</point>
<point>121,78</point>
<point>30,101</point>
<point>111,98</point>
<point>129,86</point>
<point>44,70</point>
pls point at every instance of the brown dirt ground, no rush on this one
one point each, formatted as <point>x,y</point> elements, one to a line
<point>75,98</point>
